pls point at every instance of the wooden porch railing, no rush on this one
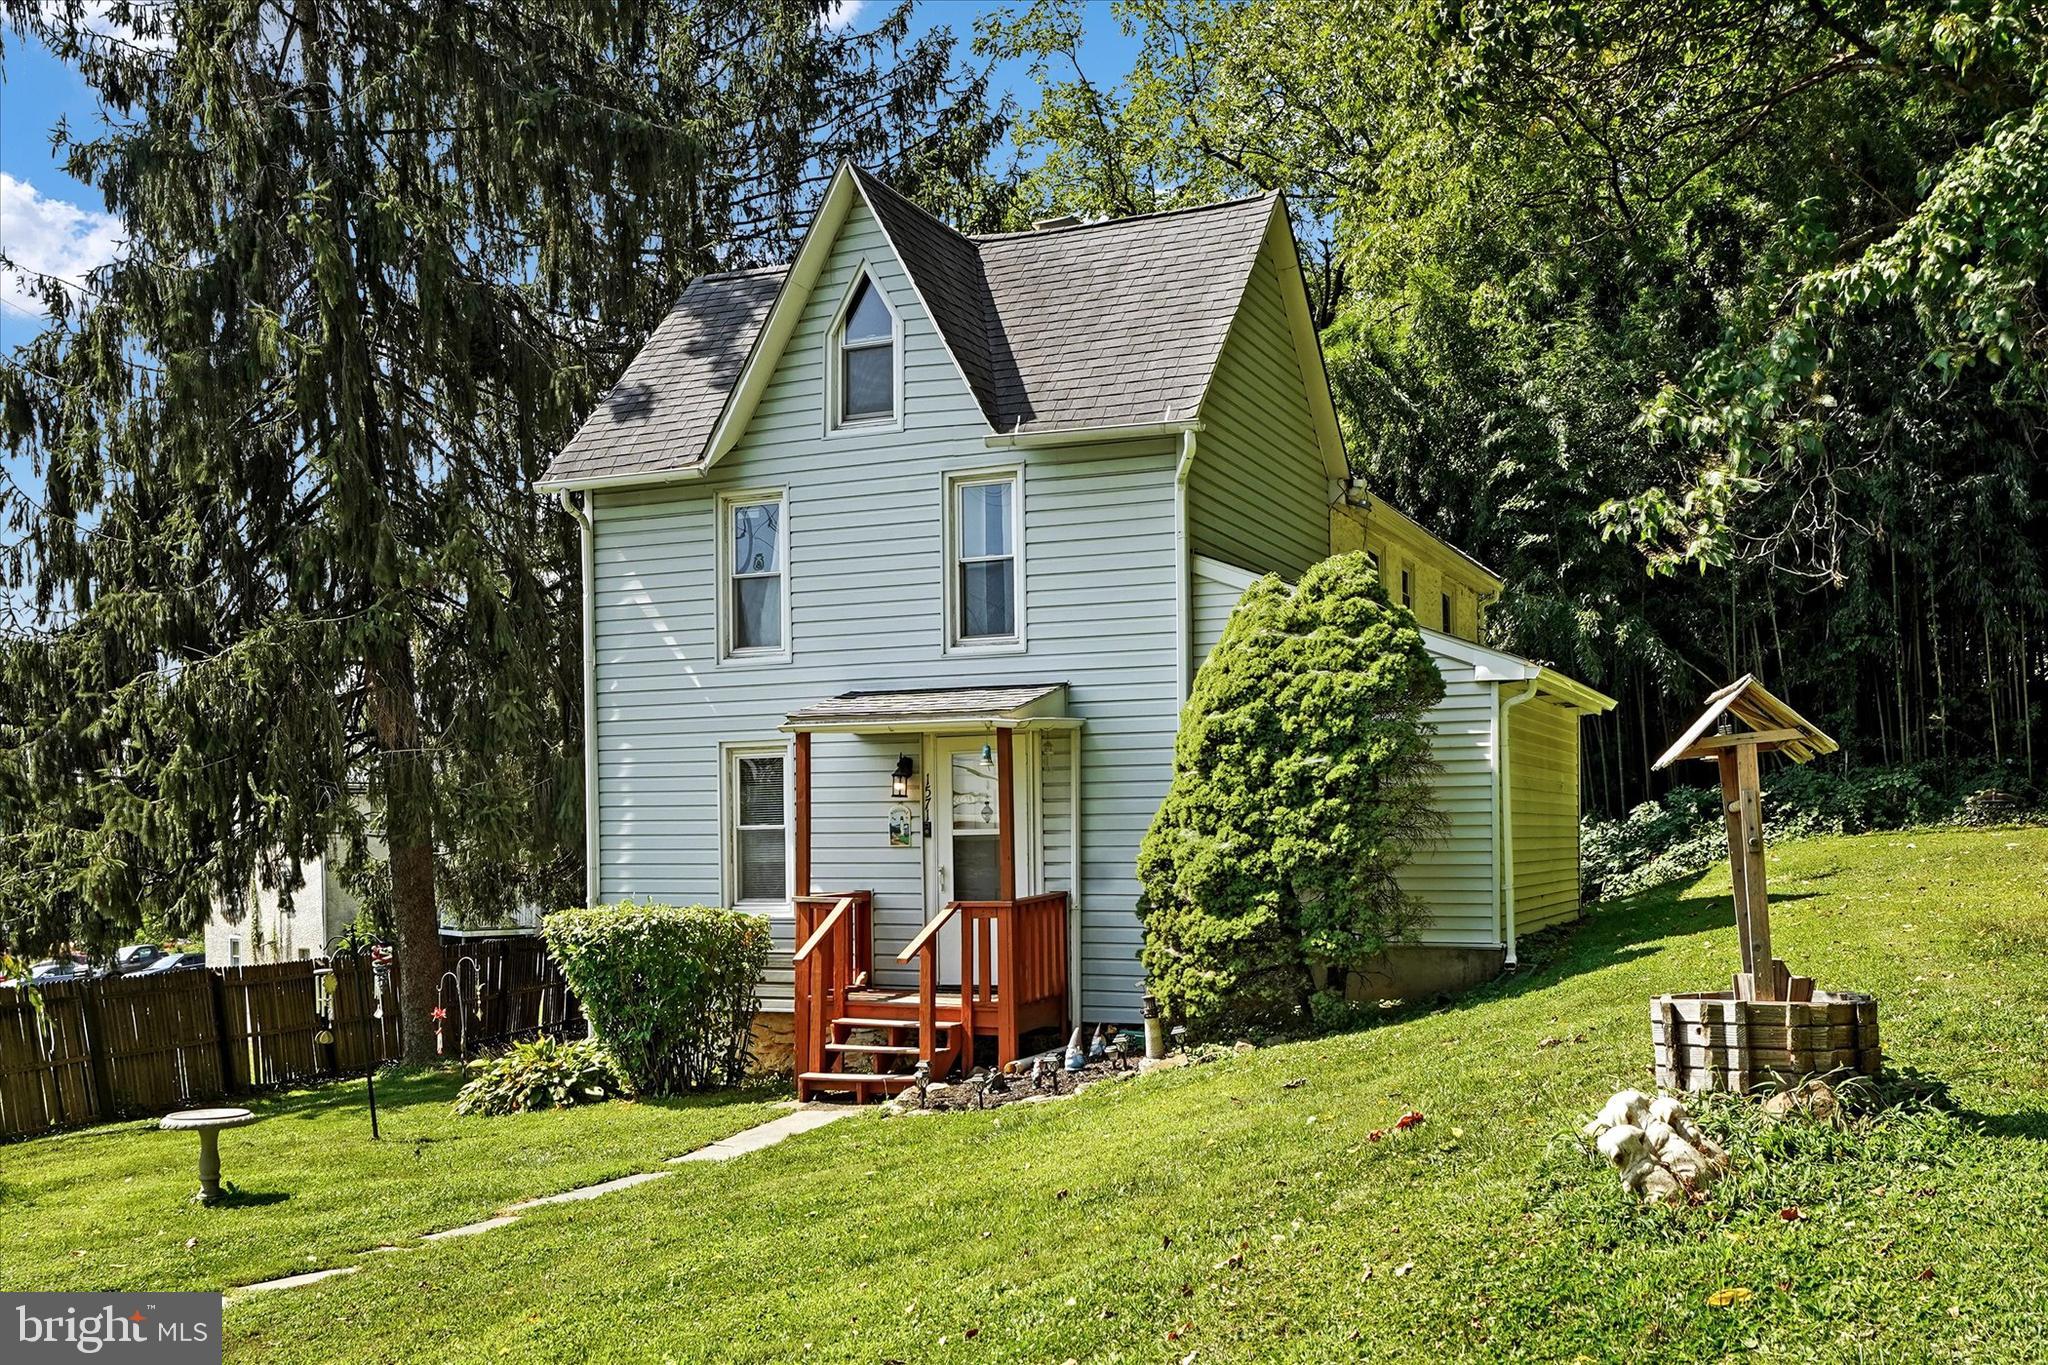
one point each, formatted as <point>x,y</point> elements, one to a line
<point>835,947</point>
<point>1013,968</point>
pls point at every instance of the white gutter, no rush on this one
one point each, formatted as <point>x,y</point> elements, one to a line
<point>1504,821</point>
<point>590,810</point>
<point>1078,435</point>
<point>1183,563</point>
<point>654,478</point>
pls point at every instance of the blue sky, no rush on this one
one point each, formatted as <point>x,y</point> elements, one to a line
<point>55,224</point>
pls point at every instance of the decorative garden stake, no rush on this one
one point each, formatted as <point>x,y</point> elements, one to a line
<point>1772,1024</point>
<point>360,953</point>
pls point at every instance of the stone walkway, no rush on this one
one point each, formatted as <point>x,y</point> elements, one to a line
<point>801,1119</point>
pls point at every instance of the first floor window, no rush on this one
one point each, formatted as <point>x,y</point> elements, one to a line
<point>760,812</point>
<point>985,559</point>
<point>754,558</point>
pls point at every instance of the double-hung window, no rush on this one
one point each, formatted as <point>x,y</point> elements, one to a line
<point>756,596</point>
<point>758,806</point>
<point>866,373</point>
<point>986,584</point>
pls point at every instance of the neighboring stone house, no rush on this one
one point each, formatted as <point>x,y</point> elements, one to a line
<point>898,562</point>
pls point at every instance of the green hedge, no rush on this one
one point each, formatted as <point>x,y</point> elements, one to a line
<point>671,990</point>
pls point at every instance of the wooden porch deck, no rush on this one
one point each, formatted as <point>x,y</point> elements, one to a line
<point>1013,969</point>
<point>1013,958</point>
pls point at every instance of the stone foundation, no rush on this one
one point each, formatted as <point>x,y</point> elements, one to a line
<point>774,1044</point>
<point>1412,971</point>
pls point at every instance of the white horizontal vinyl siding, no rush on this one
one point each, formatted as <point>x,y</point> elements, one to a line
<point>865,557</point>
<point>1455,879</point>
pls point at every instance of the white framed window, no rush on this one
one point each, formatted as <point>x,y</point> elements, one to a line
<point>757,824</point>
<point>864,373</point>
<point>753,606</point>
<point>985,560</point>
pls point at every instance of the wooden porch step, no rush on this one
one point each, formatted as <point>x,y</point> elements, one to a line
<point>855,1081</point>
<point>851,1021</point>
<point>872,1049</point>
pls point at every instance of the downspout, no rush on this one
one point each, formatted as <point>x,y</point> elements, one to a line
<point>1074,879</point>
<point>1504,818</point>
<point>590,810</point>
<point>1183,572</point>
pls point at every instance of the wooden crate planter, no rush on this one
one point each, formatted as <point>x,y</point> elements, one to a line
<point>1715,1041</point>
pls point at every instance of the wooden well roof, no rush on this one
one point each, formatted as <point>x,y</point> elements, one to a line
<point>1777,725</point>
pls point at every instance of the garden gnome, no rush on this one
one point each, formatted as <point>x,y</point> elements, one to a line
<point>921,1081</point>
<point>998,1082</point>
<point>1099,1049</point>
<point>1076,1058</point>
<point>1038,1073</point>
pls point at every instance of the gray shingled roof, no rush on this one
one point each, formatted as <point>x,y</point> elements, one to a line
<point>922,705</point>
<point>1102,324</point>
<point>660,413</point>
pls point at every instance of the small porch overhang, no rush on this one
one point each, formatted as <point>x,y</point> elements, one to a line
<point>928,709</point>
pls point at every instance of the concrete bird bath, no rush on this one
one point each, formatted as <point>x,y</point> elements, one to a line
<point>207,1123</point>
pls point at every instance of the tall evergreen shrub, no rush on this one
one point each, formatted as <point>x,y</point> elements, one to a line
<point>1301,783</point>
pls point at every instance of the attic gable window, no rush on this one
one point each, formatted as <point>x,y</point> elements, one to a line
<point>867,356</point>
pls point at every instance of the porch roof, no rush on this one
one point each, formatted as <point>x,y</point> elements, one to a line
<point>932,708</point>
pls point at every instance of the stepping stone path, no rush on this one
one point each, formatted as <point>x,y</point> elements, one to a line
<point>762,1135</point>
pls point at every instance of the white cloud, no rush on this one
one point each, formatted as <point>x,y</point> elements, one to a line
<point>843,14</point>
<point>44,236</point>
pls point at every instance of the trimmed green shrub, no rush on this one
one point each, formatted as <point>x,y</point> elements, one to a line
<point>1301,782</point>
<point>542,1074</point>
<point>670,990</point>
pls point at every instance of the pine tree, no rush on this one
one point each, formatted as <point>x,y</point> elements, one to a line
<point>381,257</point>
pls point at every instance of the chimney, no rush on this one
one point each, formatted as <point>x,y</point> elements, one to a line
<point>1062,220</point>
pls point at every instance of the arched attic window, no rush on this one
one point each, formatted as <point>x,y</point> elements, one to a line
<point>867,356</point>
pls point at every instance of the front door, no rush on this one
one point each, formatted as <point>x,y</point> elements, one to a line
<point>965,836</point>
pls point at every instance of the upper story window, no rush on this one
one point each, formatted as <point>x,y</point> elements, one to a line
<point>1407,589</point>
<point>986,581</point>
<point>866,372</point>
<point>756,600</point>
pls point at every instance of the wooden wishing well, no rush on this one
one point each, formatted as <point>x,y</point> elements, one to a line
<point>1773,1026</point>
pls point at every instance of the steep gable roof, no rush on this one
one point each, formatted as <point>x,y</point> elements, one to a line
<point>1081,328</point>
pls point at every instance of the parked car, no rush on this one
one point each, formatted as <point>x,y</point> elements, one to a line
<point>60,969</point>
<point>137,956</point>
<point>172,962</point>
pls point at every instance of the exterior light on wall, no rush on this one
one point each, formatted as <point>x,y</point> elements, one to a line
<point>988,753</point>
<point>899,781</point>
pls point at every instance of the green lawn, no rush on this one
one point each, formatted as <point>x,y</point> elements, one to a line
<point>108,1207</point>
<point>1224,1213</point>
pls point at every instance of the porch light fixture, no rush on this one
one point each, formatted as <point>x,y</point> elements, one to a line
<point>988,753</point>
<point>899,781</point>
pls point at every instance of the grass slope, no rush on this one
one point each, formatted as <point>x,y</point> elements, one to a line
<point>1240,1211</point>
<point>109,1208</point>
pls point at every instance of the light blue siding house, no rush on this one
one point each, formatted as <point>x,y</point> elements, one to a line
<point>898,561</point>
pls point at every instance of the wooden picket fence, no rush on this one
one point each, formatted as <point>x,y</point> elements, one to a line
<point>119,1047</point>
